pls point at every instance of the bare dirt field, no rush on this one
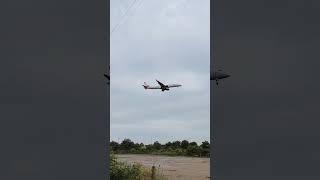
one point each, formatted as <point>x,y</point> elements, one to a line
<point>173,168</point>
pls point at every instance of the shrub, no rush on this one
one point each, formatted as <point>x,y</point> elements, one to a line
<point>193,151</point>
<point>122,171</point>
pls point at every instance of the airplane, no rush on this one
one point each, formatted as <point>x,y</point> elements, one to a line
<point>162,86</point>
<point>218,75</point>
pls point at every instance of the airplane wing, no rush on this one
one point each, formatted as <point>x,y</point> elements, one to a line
<point>162,85</point>
<point>107,76</point>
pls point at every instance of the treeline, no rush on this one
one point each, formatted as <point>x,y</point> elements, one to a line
<point>175,148</point>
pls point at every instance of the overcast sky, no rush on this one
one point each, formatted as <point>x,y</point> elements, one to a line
<point>169,41</point>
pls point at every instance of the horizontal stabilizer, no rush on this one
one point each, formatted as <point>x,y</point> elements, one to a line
<point>145,85</point>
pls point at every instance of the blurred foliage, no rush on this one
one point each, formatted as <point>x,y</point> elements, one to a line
<point>175,148</point>
<point>122,171</point>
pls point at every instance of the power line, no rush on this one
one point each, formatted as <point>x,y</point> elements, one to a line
<point>139,4</point>
<point>126,12</point>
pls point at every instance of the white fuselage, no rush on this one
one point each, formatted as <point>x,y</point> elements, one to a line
<point>162,87</point>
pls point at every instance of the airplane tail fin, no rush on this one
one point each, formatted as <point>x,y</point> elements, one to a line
<point>145,85</point>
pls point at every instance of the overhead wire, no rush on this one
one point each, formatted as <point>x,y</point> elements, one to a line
<point>139,4</point>
<point>125,13</point>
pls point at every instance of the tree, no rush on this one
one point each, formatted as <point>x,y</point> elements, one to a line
<point>176,144</point>
<point>114,146</point>
<point>126,145</point>
<point>205,152</point>
<point>157,145</point>
<point>193,144</point>
<point>184,144</point>
<point>137,146</point>
<point>205,145</point>
<point>168,145</point>
<point>149,147</point>
<point>193,150</point>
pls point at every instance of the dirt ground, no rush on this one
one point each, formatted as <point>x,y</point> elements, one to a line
<point>173,168</point>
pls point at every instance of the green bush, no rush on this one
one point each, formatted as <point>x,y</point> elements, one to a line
<point>193,151</point>
<point>122,171</point>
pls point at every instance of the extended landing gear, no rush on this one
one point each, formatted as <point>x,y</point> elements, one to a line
<point>217,83</point>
